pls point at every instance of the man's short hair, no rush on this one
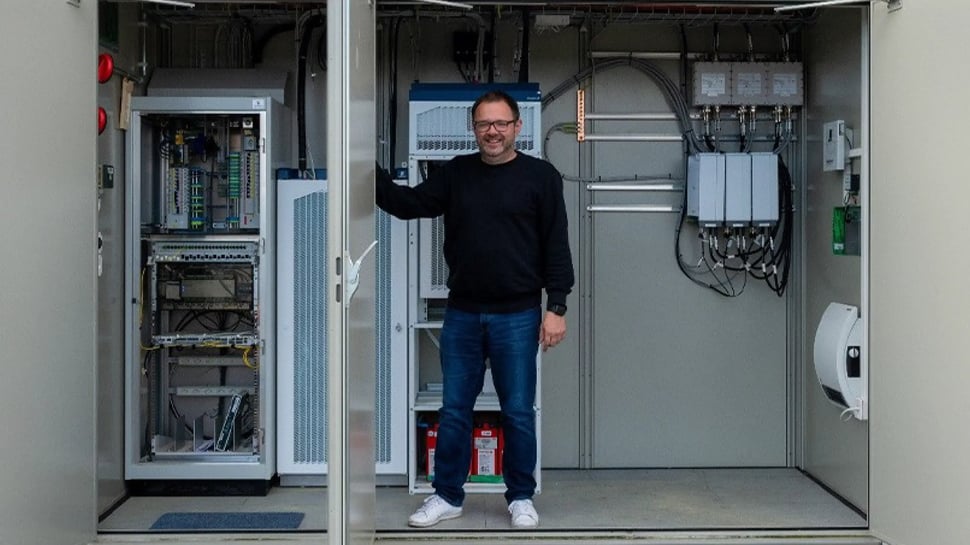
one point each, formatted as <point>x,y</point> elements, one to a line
<point>497,96</point>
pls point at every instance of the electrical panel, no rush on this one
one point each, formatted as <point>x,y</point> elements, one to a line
<point>748,84</point>
<point>712,84</point>
<point>200,327</point>
<point>786,83</point>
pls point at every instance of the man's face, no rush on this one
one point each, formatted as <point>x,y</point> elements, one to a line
<point>497,145</point>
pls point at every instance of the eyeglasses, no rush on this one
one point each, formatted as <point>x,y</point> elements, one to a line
<point>501,125</point>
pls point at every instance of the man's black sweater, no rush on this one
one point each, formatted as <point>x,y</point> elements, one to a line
<point>505,230</point>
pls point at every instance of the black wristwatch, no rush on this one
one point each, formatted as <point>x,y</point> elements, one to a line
<point>557,309</point>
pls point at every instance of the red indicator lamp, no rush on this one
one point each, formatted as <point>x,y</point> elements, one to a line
<point>106,67</point>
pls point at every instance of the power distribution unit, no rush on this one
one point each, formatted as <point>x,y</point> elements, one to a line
<point>200,328</point>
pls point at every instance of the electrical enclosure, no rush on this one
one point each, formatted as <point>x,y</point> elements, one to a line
<point>764,189</point>
<point>200,364</point>
<point>712,84</point>
<point>705,188</point>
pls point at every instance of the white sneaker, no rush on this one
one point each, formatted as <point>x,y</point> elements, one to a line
<point>523,514</point>
<point>434,510</point>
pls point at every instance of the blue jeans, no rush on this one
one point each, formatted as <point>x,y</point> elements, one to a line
<point>510,342</point>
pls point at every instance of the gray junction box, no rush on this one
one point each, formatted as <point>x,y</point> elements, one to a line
<point>733,189</point>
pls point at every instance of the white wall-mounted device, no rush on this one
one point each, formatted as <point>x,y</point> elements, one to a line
<point>836,141</point>
<point>838,358</point>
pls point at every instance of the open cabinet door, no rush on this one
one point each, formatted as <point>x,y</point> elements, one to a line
<point>47,304</point>
<point>351,145</point>
<point>920,371</point>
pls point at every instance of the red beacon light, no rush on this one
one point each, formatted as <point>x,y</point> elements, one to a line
<point>106,68</point>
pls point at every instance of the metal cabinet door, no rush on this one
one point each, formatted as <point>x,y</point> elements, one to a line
<point>48,304</point>
<point>918,297</point>
<point>351,141</point>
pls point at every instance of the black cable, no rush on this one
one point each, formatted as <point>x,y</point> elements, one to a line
<point>322,51</point>
<point>260,44</point>
<point>461,70</point>
<point>147,444</point>
<point>311,23</point>
<point>684,71</point>
<point>491,58</point>
<point>785,188</point>
<point>395,31</point>
<point>678,256</point>
<point>526,30</point>
<point>186,320</point>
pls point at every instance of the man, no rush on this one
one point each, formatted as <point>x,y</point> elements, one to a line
<point>505,241</point>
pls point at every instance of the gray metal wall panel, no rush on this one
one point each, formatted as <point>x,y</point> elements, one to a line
<point>561,428</point>
<point>48,306</point>
<point>681,375</point>
<point>111,284</point>
<point>835,452</point>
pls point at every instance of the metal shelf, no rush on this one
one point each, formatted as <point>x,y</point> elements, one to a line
<point>423,486</point>
<point>431,401</point>
<point>428,325</point>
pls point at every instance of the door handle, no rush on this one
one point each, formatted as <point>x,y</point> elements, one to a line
<point>353,273</point>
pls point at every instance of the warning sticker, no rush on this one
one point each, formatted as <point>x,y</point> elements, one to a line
<point>749,84</point>
<point>713,85</point>
<point>486,442</point>
<point>784,85</point>
<point>486,462</point>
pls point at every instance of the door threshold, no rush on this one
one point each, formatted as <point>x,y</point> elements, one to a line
<point>534,537</point>
<point>212,538</point>
<point>628,537</point>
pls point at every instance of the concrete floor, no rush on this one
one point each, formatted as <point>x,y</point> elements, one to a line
<point>572,500</point>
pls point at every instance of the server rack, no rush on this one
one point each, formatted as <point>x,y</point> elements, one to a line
<point>200,289</point>
<point>440,129</point>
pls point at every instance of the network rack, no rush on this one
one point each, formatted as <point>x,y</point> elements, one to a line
<point>200,370</point>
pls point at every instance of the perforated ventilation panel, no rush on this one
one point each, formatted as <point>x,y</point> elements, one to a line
<point>434,270</point>
<point>444,129</point>
<point>440,128</point>
<point>382,330</point>
<point>310,333</point>
<point>310,329</point>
